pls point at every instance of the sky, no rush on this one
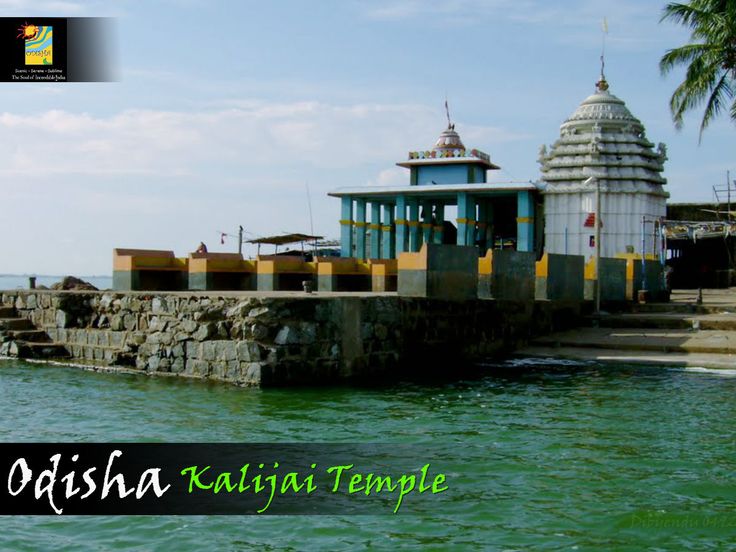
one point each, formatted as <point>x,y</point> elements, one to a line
<point>248,113</point>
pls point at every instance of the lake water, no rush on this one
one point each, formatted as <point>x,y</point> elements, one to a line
<point>558,457</point>
<point>15,281</point>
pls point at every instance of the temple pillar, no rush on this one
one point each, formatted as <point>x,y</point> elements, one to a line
<point>439,229</point>
<point>346,228</point>
<point>389,233</point>
<point>524,221</point>
<point>427,222</point>
<point>375,229</point>
<point>465,219</point>
<point>413,223</point>
<point>360,228</point>
<point>401,227</point>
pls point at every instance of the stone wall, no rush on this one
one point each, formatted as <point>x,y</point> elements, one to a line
<point>284,339</point>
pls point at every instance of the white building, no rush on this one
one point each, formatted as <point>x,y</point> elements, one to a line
<point>602,140</point>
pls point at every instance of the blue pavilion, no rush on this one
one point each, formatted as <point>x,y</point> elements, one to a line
<point>381,222</point>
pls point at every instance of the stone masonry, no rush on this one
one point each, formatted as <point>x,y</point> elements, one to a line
<point>280,339</point>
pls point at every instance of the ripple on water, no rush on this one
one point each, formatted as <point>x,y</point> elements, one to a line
<point>539,455</point>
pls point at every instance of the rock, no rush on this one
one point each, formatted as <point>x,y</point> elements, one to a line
<point>226,350</point>
<point>260,311</point>
<point>188,326</point>
<point>129,322</point>
<point>116,323</point>
<point>193,349</point>
<point>63,319</point>
<point>248,351</point>
<point>240,310</point>
<point>258,331</point>
<point>205,331</point>
<point>251,373</point>
<point>304,333</point>
<point>177,367</point>
<point>209,351</point>
<point>197,368</point>
<point>72,283</point>
<point>158,305</point>
<point>222,330</point>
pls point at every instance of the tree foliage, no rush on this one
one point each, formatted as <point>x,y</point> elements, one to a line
<point>709,57</point>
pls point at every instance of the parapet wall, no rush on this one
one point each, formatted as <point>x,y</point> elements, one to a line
<point>284,339</point>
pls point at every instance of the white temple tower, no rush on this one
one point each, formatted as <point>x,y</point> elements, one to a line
<point>602,140</point>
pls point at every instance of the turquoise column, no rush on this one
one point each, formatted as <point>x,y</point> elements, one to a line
<point>413,223</point>
<point>346,228</point>
<point>489,225</point>
<point>389,232</point>
<point>401,227</point>
<point>427,222</point>
<point>360,228</point>
<point>482,224</point>
<point>524,222</point>
<point>375,229</point>
<point>438,233</point>
<point>465,219</point>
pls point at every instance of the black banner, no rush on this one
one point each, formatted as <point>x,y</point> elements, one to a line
<point>171,478</point>
<point>55,49</point>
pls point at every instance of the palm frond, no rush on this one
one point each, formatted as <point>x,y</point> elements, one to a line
<point>714,103</point>
<point>709,58</point>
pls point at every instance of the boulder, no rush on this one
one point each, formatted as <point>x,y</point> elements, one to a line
<point>72,283</point>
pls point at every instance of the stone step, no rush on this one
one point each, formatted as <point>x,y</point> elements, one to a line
<point>16,324</point>
<point>46,351</point>
<point>682,308</point>
<point>637,339</point>
<point>666,321</point>
<point>99,354</point>
<point>8,312</point>
<point>696,361</point>
<point>34,336</point>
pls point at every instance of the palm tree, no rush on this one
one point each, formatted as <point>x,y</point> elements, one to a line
<point>710,57</point>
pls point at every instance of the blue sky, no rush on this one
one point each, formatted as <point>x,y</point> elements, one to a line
<point>226,111</point>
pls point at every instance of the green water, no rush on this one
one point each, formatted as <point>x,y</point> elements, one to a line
<point>555,458</point>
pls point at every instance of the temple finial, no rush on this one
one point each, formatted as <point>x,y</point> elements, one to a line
<point>447,112</point>
<point>602,84</point>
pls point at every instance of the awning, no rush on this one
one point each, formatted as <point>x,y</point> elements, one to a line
<point>286,238</point>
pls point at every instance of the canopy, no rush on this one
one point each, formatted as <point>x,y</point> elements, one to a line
<point>286,238</point>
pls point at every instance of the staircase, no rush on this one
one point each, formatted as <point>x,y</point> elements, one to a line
<point>679,334</point>
<point>19,338</point>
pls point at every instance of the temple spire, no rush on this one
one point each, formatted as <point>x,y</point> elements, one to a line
<point>450,126</point>
<point>602,84</point>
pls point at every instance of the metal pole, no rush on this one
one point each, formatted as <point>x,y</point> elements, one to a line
<point>597,246</point>
<point>240,240</point>
<point>643,253</point>
<point>565,240</point>
<point>728,192</point>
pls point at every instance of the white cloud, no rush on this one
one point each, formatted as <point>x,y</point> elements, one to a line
<point>167,179</point>
<point>257,134</point>
<point>20,8</point>
<point>395,176</point>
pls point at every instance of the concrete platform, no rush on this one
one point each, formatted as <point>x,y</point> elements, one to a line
<point>679,333</point>
<point>646,358</point>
